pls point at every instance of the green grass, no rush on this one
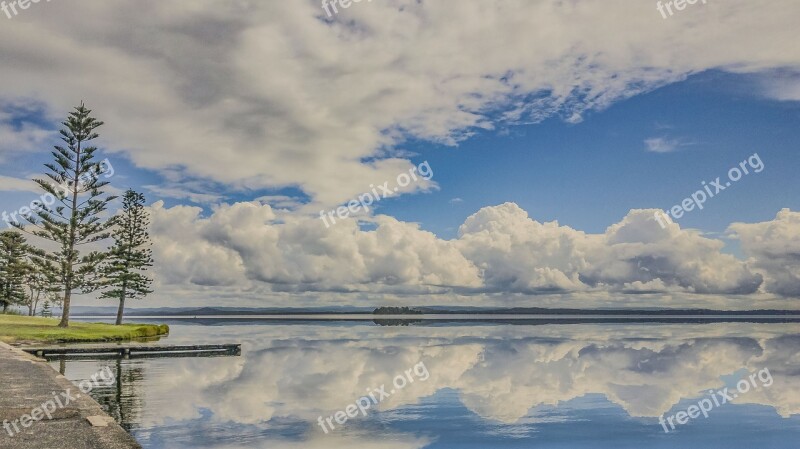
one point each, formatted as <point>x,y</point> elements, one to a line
<point>45,330</point>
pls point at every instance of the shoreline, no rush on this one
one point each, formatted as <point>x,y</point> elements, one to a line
<point>81,422</point>
<point>459,316</point>
<point>16,329</point>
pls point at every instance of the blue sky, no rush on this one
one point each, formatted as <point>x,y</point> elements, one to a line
<point>585,175</point>
<point>240,122</point>
<point>588,175</point>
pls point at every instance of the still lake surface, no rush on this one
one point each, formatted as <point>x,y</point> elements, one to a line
<point>484,385</point>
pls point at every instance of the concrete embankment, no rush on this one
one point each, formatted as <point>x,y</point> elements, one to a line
<point>77,421</point>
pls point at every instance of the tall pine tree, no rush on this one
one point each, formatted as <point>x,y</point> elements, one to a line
<point>13,268</point>
<point>76,192</point>
<point>130,255</point>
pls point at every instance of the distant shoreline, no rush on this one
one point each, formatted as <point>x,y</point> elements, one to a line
<point>456,319</point>
<point>435,312</point>
<point>477,317</point>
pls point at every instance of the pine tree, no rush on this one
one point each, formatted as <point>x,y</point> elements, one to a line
<point>75,219</point>
<point>13,268</point>
<point>46,312</point>
<point>130,255</point>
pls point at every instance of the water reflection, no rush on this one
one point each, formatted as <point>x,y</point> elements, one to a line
<point>588,385</point>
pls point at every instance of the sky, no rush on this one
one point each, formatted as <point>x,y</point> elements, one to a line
<point>539,141</point>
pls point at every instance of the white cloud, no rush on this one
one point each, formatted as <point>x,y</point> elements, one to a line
<point>270,94</point>
<point>520,254</point>
<point>280,201</point>
<point>11,184</point>
<point>782,85</point>
<point>17,133</point>
<point>301,254</point>
<point>499,249</point>
<point>183,194</point>
<point>666,145</point>
<point>774,250</point>
<point>661,145</point>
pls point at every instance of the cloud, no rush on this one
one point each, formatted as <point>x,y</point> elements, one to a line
<point>665,145</point>
<point>518,254</point>
<point>782,85</point>
<point>11,184</point>
<point>456,201</point>
<point>182,194</point>
<point>301,254</point>
<point>280,201</point>
<point>774,250</point>
<point>661,145</point>
<point>18,133</point>
<point>499,249</point>
<point>268,95</point>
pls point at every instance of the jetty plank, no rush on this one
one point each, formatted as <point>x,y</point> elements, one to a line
<point>130,350</point>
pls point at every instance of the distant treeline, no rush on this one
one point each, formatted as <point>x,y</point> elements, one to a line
<point>277,311</point>
<point>396,311</point>
<point>646,312</point>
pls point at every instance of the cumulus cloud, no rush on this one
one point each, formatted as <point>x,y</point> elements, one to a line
<point>499,249</point>
<point>272,94</point>
<point>774,250</point>
<point>299,253</point>
<point>637,249</point>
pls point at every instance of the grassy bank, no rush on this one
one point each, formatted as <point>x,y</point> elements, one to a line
<point>46,330</point>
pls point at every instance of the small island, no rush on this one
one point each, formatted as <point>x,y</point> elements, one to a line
<point>396,311</point>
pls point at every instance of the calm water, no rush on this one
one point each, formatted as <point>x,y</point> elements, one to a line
<point>487,386</point>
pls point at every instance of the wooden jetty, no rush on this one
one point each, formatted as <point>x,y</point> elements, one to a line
<point>128,351</point>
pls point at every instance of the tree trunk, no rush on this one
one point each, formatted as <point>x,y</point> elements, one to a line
<point>122,296</point>
<point>71,243</point>
<point>5,307</point>
<point>121,309</point>
<point>65,308</point>
<point>36,303</point>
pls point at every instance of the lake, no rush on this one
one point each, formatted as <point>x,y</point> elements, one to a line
<point>396,385</point>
